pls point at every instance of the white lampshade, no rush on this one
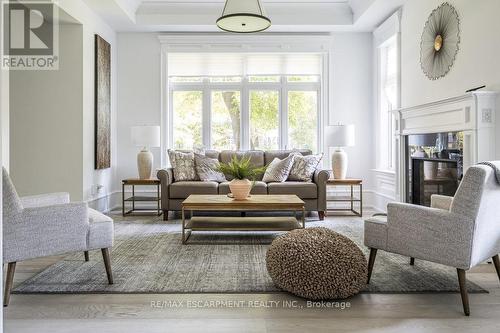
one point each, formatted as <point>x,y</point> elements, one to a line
<point>243,16</point>
<point>146,136</point>
<point>340,136</point>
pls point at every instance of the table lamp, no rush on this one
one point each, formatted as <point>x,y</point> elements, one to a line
<point>145,137</point>
<point>338,137</point>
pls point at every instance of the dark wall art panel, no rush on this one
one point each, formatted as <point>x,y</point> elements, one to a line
<point>102,103</point>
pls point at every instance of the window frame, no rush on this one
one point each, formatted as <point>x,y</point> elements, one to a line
<point>244,87</point>
<point>387,33</point>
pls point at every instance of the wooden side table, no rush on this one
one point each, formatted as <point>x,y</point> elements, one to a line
<point>138,198</point>
<point>352,199</point>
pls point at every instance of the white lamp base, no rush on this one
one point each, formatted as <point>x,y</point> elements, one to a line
<point>339,164</point>
<point>145,163</point>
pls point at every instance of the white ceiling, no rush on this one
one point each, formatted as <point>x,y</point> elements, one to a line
<point>286,15</point>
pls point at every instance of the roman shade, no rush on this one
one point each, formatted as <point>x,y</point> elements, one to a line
<point>242,64</point>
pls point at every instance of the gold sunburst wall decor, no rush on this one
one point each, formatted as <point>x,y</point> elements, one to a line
<point>440,41</point>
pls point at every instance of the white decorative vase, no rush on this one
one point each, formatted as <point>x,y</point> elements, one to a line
<point>339,164</point>
<point>145,164</point>
<point>240,188</point>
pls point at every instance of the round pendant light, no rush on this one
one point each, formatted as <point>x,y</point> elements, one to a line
<point>243,16</point>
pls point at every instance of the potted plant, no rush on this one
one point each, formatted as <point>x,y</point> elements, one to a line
<point>243,173</point>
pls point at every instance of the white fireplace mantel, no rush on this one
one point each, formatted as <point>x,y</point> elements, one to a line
<point>473,113</point>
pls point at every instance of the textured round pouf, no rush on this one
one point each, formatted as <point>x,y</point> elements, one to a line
<point>317,264</point>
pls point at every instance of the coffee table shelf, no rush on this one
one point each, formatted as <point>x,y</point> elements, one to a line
<point>207,223</point>
<point>222,203</point>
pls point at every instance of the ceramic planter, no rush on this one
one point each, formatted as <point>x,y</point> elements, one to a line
<point>240,188</point>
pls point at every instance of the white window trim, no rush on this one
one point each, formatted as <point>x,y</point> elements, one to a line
<point>386,31</point>
<point>244,87</point>
<point>247,43</point>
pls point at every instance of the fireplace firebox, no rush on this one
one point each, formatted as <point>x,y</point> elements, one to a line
<point>434,165</point>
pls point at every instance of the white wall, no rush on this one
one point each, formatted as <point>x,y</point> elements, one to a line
<point>139,95</point>
<point>476,64</point>
<point>351,98</point>
<point>477,60</point>
<point>45,123</point>
<point>93,24</point>
<point>71,168</point>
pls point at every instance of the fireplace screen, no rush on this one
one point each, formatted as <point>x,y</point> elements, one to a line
<point>434,165</point>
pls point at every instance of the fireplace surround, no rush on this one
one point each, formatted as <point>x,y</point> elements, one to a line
<point>473,115</point>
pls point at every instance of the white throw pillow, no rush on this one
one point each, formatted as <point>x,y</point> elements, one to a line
<point>183,165</point>
<point>303,167</point>
<point>278,170</point>
<point>206,168</point>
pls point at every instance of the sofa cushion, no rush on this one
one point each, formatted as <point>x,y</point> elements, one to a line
<point>181,190</point>
<point>258,188</point>
<point>212,154</point>
<point>270,155</point>
<point>303,167</point>
<point>301,189</point>
<point>206,168</point>
<point>183,165</point>
<point>278,170</point>
<point>256,158</point>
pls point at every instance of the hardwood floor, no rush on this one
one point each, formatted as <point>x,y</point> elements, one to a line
<point>256,312</point>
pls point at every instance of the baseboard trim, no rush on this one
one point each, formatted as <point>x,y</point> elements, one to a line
<point>379,201</point>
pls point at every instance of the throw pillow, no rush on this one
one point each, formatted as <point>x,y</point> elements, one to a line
<point>303,167</point>
<point>183,165</point>
<point>206,168</point>
<point>278,170</point>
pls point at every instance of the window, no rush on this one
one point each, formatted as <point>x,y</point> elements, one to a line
<point>264,119</point>
<point>225,129</point>
<point>388,100</point>
<point>244,101</point>
<point>261,78</point>
<point>262,112</point>
<point>303,78</point>
<point>302,119</point>
<point>187,119</point>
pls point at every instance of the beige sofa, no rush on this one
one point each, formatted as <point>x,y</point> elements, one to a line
<point>313,193</point>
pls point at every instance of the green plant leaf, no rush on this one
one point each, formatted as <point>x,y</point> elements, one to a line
<point>241,168</point>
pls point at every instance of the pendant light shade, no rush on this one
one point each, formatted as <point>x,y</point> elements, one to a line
<point>243,16</point>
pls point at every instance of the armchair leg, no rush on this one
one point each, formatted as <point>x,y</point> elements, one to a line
<point>11,268</point>
<point>107,264</point>
<point>86,254</point>
<point>412,261</point>
<point>371,263</point>
<point>496,261</point>
<point>463,290</point>
<point>321,215</point>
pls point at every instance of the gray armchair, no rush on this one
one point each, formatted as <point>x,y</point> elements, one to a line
<point>45,225</point>
<point>460,232</point>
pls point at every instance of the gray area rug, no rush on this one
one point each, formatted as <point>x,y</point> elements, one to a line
<point>148,257</point>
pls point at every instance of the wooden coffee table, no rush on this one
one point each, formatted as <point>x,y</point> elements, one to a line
<point>254,203</point>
